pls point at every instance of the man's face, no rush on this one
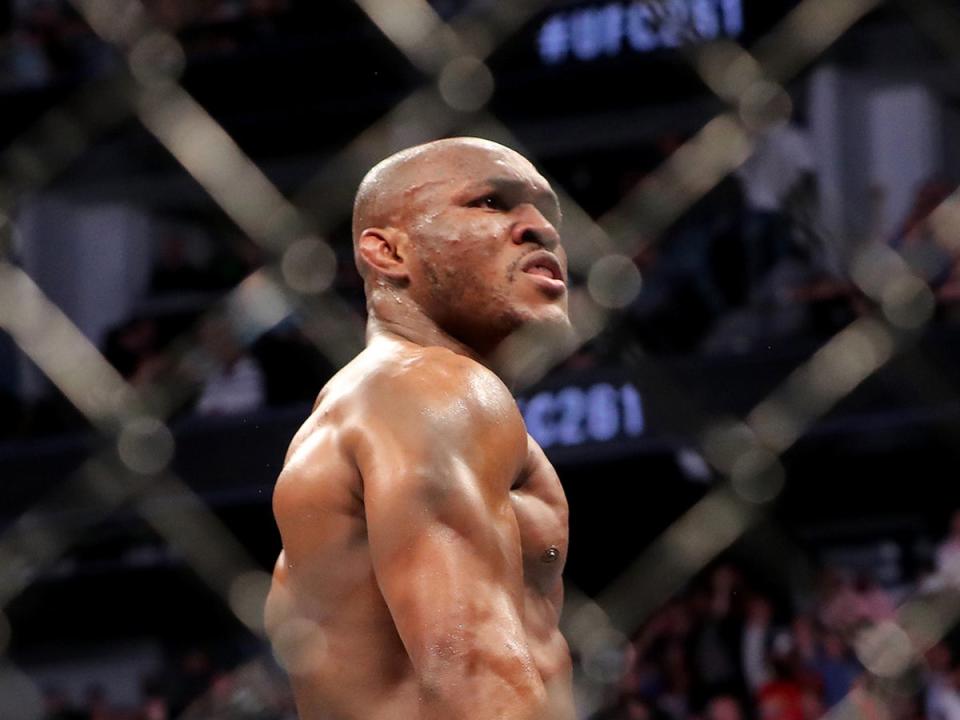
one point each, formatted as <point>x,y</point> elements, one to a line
<point>487,259</point>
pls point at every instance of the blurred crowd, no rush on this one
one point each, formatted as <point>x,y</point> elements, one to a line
<point>748,265</point>
<point>729,649</point>
<point>746,269</point>
<point>195,685</point>
<point>751,264</point>
<point>279,368</point>
<point>48,42</point>
<point>181,335</point>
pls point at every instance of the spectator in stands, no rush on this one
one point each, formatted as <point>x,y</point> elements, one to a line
<point>779,174</point>
<point>755,642</point>
<point>804,632</point>
<point>837,668</point>
<point>839,606</point>
<point>781,698</point>
<point>715,644</point>
<point>874,602</point>
<point>650,675</point>
<point>690,276</point>
<point>233,383</point>
<point>794,281</point>
<point>847,604</point>
<point>783,672</point>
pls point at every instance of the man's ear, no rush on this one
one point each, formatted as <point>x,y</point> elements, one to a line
<point>382,250</point>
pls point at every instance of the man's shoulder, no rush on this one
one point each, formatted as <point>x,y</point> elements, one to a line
<point>428,406</point>
<point>426,377</point>
<point>415,394</point>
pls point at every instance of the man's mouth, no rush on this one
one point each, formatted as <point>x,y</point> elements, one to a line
<point>543,264</point>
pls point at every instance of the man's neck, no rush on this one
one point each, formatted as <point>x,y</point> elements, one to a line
<point>517,359</point>
<point>420,330</point>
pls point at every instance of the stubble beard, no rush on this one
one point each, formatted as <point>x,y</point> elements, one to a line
<point>478,316</point>
<point>520,346</point>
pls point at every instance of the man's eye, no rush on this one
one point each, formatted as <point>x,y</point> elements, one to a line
<point>489,201</point>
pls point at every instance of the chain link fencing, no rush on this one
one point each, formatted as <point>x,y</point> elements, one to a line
<point>132,467</point>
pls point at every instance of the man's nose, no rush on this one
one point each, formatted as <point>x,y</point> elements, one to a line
<point>532,227</point>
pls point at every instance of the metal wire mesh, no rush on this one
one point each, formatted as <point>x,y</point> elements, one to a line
<point>133,465</point>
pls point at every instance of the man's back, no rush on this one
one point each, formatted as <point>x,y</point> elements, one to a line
<point>424,537</point>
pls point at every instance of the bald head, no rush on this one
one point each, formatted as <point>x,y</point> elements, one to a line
<point>387,190</point>
<point>461,235</point>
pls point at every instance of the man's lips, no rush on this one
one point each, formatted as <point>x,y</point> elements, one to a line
<point>543,264</point>
<point>543,268</point>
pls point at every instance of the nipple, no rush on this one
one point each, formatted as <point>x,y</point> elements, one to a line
<point>550,554</point>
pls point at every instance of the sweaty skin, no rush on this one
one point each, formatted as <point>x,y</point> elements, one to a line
<point>424,531</point>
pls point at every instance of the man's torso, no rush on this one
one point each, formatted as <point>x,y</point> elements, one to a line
<point>326,615</point>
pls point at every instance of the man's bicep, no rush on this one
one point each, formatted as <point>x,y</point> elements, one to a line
<point>446,553</point>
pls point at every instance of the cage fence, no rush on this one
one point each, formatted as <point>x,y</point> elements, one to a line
<point>132,464</point>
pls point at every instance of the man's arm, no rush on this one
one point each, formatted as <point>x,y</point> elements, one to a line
<point>441,443</point>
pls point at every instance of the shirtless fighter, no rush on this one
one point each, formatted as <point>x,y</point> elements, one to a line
<point>424,531</point>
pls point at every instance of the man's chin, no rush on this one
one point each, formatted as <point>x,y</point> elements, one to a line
<point>539,342</point>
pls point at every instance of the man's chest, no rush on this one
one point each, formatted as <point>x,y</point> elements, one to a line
<point>542,517</point>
